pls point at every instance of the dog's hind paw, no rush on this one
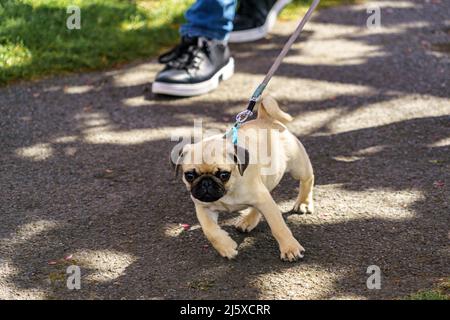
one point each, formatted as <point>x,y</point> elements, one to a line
<point>247,223</point>
<point>302,208</point>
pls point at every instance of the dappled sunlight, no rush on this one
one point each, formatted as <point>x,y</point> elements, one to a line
<point>315,283</point>
<point>398,4</point>
<point>97,129</point>
<point>401,109</point>
<point>373,150</point>
<point>247,244</point>
<point>37,152</point>
<point>139,101</point>
<point>345,52</point>
<point>347,158</point>
<point>445,142</point>
<point>21,236</point>
<point>314,90</point>
<point>65,139</point>
<point>103,265</point>
<point>78,89</point>
<point>132,25</point>
<point>311,121</point>
<point>359,154</point>
<point>8,289</point>
<point>14,55</point>
<point>28,231</point>
<point>339,120</point>
<point>387,29</point>
<point>83,117</point>
<point>107,135</point>
<point>45,151</point>
<point>355,205</point>
<point>96,123</point>
<point>135,75</point>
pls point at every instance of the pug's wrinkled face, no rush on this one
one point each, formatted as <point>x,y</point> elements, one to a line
<point>209,176</point>
<point>208,183</point>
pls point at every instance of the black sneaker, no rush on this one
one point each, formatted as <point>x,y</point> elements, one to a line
<point>194,67</point>
<point>255,18</point>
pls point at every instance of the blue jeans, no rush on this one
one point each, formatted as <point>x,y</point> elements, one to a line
<point>211,19</point>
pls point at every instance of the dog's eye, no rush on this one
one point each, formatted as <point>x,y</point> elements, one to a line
<point>223,175</point>
<point>190,176</point>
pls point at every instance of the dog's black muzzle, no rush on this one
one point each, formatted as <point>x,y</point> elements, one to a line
<point>207,188</point>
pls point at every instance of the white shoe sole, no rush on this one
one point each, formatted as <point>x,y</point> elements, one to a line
<point>195,89</point>
<point>260,32</point>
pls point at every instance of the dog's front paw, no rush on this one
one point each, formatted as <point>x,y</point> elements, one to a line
<point>225,245</point>
<point>291,250</point>
<point>302,208</point>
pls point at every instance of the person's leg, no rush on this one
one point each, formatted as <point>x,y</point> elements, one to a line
<point>255,18</point>
<point>202,59</point>
<point>212,19</point>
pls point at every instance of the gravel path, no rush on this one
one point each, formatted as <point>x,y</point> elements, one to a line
<point>84,171</point>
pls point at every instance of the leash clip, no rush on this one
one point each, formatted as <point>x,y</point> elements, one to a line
<point>243,116</point>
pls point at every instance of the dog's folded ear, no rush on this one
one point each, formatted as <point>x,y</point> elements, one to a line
<point>176,158</point>
<point>242,158</point>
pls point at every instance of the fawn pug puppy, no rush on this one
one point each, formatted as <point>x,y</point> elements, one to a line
<point>225,177</point>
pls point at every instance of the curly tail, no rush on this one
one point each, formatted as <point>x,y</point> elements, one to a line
<point>268,109</point>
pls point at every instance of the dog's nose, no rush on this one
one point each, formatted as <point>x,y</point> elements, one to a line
<point>206,183</point>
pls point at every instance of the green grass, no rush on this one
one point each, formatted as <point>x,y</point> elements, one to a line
<point>442,292</point>
<point>297,7</point>
<point>35,42</point>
